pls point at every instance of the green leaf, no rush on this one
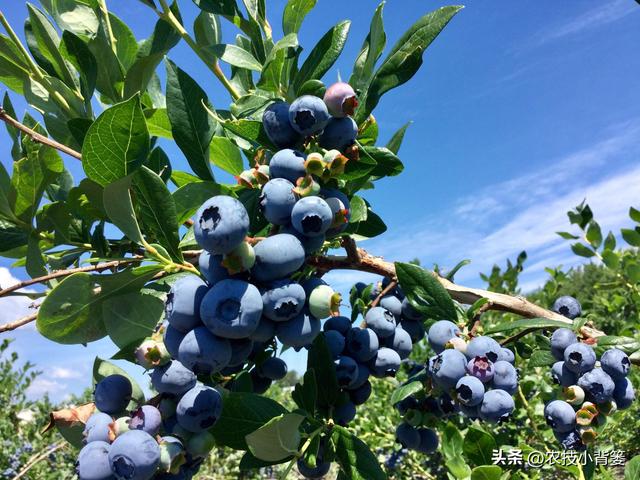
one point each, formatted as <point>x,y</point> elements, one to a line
<point>305,393</point>
<point>610,259</point>
<point>225,154</point>
<point>251,130</point>
<point>478,446</point>
<point>355,458</point>
<point>103,368</point>
<point>632,470</point>
<point>236,56</point>
<point>294,13</point>
<point>75,16</point>
<point>405,58</point>
<point>404,391</point>
<point>158,123</point>
<point>582,250</point>
<point>110,80</point>
<point>117,143</point>
<point>594,234</point>
<point>451,441</point>
<point>243,413</point>
<point>275,74</point>
<point>324,54</point>
<point>35,263</point>
<point>119,207</point>
<point>371,50</point>
<point>249,462</point>
<point>220,7</point>
<point>634,214</point>
<point>387,162</point>
<point>313,87</point>
<point>206,28</point>
<point>527,323</point>
<point>11,236</point>
<point>126,43</point>
<point>632,237</point>
<point>424,291</point>
<point>159,163</point>
<point>486,472</point>
<point>541,358</point>
<point>77,52</point>
<point>358,209</point>
<point>131,317</point>
<point>191,125</point>
<point>278,439</point>
<point>567,235</point>
<point>157,211</point>
<point>369,228</point>
<point>190,196</point>
<point>610,242</point>
<point>320,361</point>
<point>368,132</point>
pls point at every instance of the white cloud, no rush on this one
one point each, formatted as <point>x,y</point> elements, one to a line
<point>42,386</point>
<point>63,373</point>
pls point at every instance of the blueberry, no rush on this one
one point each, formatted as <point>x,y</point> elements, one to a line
<point>260,384</point>
<point>409,312</point>
<point>381,321</point>
<point>363,376</point>
<point>506,355</point>
<point>340,324</point>
<point>203,352</point>
<point>275,121</point>
<point>173,378</point>
<point>134,455</point>
<point>393,304</point>
<point>340,208</point>
<point>597,385</point>
<point>232,309</point>
<point>624,394</point>
<point>93,462</point>
<point>277,200</point>
<point>298,332</point>
<point>484,347</point>
<point>182,307</point>
<point>470,391</point>
<point>221,224</point>
<point>240,350</point>
<point>400,341</point>
<point>567,306</point>
<point>283,301</point>
<point>340,99</point>
<point>407,436</point>
<point>336,342</point>
<point>146,418</point>
<point>415,329</point>
<point>560,340</point>
<point>346,371</point>
<point>447,405</point>
<point>308,115</point>
<point>199,409</point>
<point>562,375</point>
<point>287,164</point>
<point>273,368</point>
<point>344,413</point>
<point>311,216</point>
<point>362,344</point>
<point>481,368</point>
<point>428,440</point>
<point>440,333</point>
<point>386,363</point>
<point>317,472</point>
<point>311,283</point>
<point>448,367</point>
<point>339,134</point>
<point>265,331</point>
<point>211,267</point>
<point>172,339</point>
<point>310,244</point>
<point>505,377</point>
<point>570,440</point>
<point>471,412</point>
<point>277,257</point>
<point>98,428</point>
<point>409,403</point>
<point>560,416</point>
<point>113,393</point>
<point>579,358</point>
<point>361,394</point>
<point>497,405</point>
<point>616,363</point>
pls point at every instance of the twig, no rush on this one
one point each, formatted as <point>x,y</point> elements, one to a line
<point>392,284</point>
<point>38,457</point>
<point>350,247</point>
<point>64,273</point>
<point>18,323</point>
<point>5,117</point>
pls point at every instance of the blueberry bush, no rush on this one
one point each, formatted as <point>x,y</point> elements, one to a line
<point>204,284</point>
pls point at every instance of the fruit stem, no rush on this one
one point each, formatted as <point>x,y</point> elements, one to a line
<point>299,455</point>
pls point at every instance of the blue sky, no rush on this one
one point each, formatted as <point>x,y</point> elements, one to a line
<point>521,110</point>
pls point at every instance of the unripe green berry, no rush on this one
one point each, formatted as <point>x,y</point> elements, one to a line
<point>324,302</point>
<point>201,444</point>
<point>574,395</point>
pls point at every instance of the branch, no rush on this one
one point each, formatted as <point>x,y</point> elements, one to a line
<point>392,284</point>
<point>5,117</point>
<point>18,323</point>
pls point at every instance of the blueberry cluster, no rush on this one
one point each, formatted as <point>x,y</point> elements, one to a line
<point>14,459</point>
<point>591,389</point>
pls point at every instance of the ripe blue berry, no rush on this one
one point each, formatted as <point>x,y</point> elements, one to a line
<point>260,384</point>
<point>505,377</point>
<point>134,455</point>
<point>385,364</point>
<point>362,344</point>
<point>298,332</point>
<point>579,358</point>
<point>597,385</point>
<point>335,342</point>
<point>273,368</point>
<point>265,331</point>
<point>339,134</point>
<point>381,321</point>
<point>199,409</point>
<point>440,333</point>
<point>173,378</point>
<point>363,376</point>
<point>624,394</point>
<point>400,341</point>
<point>275,121</point>
<point>415,329</point>
<point>240,350</point>
<point>340,324</point>
<point>277,200</point>
<point>484,347</point>
<point>448,367</point>
<point>481,368</point>
<point>340,99</point>
<point>311,216</point>
<point>562,375</point>
<point>287,164</point>
<point>428,440</point>
<point>308,115</point>
<point>211,267</point>
<point>283,301</point>
<point>221,224</point>
<point>93,462</point>
<point>277,257</point>
<point>616,363</point>
<point>507,355</point>
<point>146,418</point>
<point>567,306</point>
<point>470,391</point>
<point>313,473</point>
<point>496,406</point>
<point>361,394</point>
<point>113,394</point>
<point>409,312</point>
<point>344,413</point>
<point>203,352</point>
<point>182,308</point>
<point>232,309</point>
<point>393,304</point>
<point>407,436</point>
<point>97,428</point>
<point>340,208</point>
<point>560,416</point>
<point>570,440</point>
<point>346,371</point>
<point>560,340</point>
<point>310,244</point>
